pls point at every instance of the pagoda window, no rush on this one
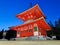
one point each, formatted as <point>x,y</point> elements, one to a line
<point>18,32</point>
<point>23,18</point>
<point>30,26</point>
<point>31,16</point>
<point>35,28</point>
<point>28,17</point>
<point>30,30</point>
<point>25,28</point>
<point>35,25</point>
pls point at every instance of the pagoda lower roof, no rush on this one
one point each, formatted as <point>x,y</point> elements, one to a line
<point>41,22</point>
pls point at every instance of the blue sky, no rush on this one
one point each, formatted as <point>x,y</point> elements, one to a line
<point>10,8</point>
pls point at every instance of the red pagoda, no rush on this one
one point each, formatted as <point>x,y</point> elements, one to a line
<point>34,23</point>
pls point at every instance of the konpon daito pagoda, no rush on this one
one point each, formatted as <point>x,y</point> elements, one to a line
<point>34,23</point>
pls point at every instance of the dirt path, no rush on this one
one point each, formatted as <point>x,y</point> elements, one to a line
<point>29,42</point>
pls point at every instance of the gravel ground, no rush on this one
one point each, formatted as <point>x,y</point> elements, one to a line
<point>47,42</point>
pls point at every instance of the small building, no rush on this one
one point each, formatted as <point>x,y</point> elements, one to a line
<point>34,23</point>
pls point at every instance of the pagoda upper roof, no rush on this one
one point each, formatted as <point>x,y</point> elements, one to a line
<point>33,13</point>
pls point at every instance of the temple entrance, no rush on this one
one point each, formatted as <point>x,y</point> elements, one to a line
<point>18,33</point>
<point>35,31</point>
